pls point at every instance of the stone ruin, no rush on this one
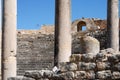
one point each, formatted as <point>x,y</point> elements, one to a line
<point>33,43</point>
<point>35,54</point>
<point>92,54</point>
<point>102,66</point>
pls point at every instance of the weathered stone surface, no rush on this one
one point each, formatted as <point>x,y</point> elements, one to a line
<point>63,37</point>
<point>104,74</point>
<point>67,75</point>
<point>103,65</point>
<point>75,58</point>
<point>67,66</point>
<point>9,39</point>
<point>113,58</point>
<point>98,34</point>
<point>39,74</point>
<point>35,75</point>
<point>20,78</point>
<point>48,74</point>
<point>80,75</point>
<point>107,51</point>
<point>35,52</point>
<point>86,66</point>
<point>116,75</point>
<point>56,77</point>
<point>88,57</point>
<point>90,45</point>
<point>90,75</point>
<point>118,56</point>
<point>100,57</point>
<point>95,68</point>
<point>116,67</point>
<point>113,24</point>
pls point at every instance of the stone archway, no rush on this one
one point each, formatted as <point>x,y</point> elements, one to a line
<point>81,25</point>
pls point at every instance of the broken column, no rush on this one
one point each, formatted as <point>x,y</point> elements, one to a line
<point>89,45</point>
<point>113,24</point>
<point>62,31</point>
<point>9,39</point>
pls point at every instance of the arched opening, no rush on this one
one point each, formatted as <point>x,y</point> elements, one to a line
<point>81,26</point>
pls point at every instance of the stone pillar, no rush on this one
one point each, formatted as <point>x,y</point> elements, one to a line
<point>113,24</point>
<point>0,32</point>
<point>9,39</point>
<point>62,31</point>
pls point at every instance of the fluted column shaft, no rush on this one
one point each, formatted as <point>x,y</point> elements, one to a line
<point>9,39</point>
<point>62,31</point>
<point>113,24</point>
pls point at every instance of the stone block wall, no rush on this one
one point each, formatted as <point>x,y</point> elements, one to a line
<point>102,66</point>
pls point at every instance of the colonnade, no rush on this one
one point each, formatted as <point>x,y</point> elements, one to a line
<point>62,33</point>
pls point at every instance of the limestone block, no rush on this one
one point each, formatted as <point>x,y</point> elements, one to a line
<point>80,75</point>
<point>43,79</point>
<point>57,77</point>
<point>28,74</point>
<point>39,74</point>
<point>101,57</point>
<point>75,58</point>
<point>88,57</point>
<point>107,51</point>
<point>116,67</point>
<point>47,74</point>
<point>20,78</point>
<point>67,66</point>
<point>35,75</point>
<point>113,58</point>
<point>86,66</point>
<point>67,75</point>
<point>108,55</point>
<point>103,66</point>
<point>116,75</point>
<point>104,74</point>
<point>90,45</point>
<point>90,75</point>
<point>118,56</point>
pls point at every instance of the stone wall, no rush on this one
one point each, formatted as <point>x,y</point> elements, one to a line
<point>36,51</point>
<point>36,47</point>
<point>104,65</point>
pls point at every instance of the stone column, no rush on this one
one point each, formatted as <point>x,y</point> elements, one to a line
<point>62,31</point>
<point>0,32</point>
<point>113,24</point>
<point>9,39</point>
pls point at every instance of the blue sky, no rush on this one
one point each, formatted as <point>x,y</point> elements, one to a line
<point>34,13</point>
